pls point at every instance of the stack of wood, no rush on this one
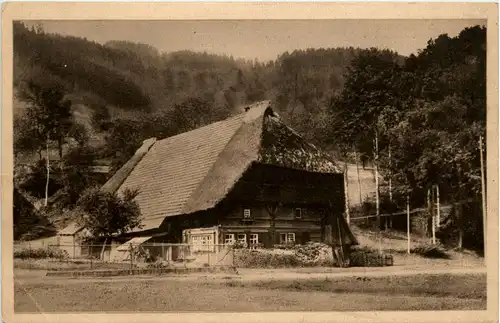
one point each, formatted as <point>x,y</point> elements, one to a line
<point>314,254</point>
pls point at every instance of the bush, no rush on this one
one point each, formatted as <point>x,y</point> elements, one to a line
<point>157,265</point>
<point>40,253</point>
<point>366,257</point>
<point>430,251</point>
<point>285,246</point>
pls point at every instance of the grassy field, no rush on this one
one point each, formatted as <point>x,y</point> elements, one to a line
<point>57,264</point>
<point>418,292</point>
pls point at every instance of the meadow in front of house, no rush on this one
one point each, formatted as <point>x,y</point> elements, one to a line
<point>260,292</point>
<point>455,281</point>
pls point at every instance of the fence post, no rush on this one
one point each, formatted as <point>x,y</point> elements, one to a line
<point>29,254</point>
<point>131,258</point>
<point>217,246</point>
<point>208,255</point>
<point>90,255</point>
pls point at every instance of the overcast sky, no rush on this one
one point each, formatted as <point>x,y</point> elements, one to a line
<point>265,39</point>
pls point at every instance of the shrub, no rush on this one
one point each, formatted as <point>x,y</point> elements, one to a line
<point>157,265</point>
<point>430,251</point>
<point>285,246</point>
<point>366,257</point>
<point>40,253</point>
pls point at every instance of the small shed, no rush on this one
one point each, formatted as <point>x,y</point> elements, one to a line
<point>69,240</point>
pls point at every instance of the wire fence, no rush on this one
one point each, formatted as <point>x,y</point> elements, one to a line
<point>128,255</point>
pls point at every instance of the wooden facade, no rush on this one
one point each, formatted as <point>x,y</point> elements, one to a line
<point>273,205</point>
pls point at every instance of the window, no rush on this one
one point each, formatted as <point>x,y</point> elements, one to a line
<point>287,238</point>
<point>201,242</point>
<point>247,214</point>
<point>298,213</point>
<point>229,238</point>
<point>242,239</point>
<point>254,240</point>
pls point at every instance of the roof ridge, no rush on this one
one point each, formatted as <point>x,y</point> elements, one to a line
<point>116,181</point>
<point>248,116</point>
<point>256,111</point>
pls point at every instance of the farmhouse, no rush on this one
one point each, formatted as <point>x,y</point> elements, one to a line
<point>248,179</point>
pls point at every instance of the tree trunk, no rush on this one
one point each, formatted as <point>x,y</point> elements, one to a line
<point>458,216</point>
<point>60,151</point>
<point>103,248</point>
<point>272,229</point>
<point>48,174</point>
<point>346,195</point>
<point>323,227</point>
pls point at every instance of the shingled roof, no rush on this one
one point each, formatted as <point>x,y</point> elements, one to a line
<point>194,171</point>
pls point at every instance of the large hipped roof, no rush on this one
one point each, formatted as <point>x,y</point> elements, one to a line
<point>194,171</point>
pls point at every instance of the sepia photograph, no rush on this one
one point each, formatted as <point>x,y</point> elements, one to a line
<point>250,165</point>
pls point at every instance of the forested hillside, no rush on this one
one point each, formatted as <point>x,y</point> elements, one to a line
<point>417,118</point>
<point>130,79</point>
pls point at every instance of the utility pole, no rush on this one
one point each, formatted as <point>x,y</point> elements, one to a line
<point>433,221</point>
<point>390,174</point>
<point>408,221</point>
<point>438,207</point>
<point>483,194</point>
<point>429,209</point>
<point>377,197</point>
<point>389,219</point>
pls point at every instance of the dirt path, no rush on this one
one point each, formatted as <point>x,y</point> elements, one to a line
<point>240,293</point>
<point>259,274</point>
<point>262,274</point>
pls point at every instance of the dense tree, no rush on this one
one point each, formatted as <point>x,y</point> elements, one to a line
<point>122,140</point>
<point>77,173</point>
<point>48,117</point>
<point>438,133</point>
<point>101,118</point>
<point>106,214</point>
